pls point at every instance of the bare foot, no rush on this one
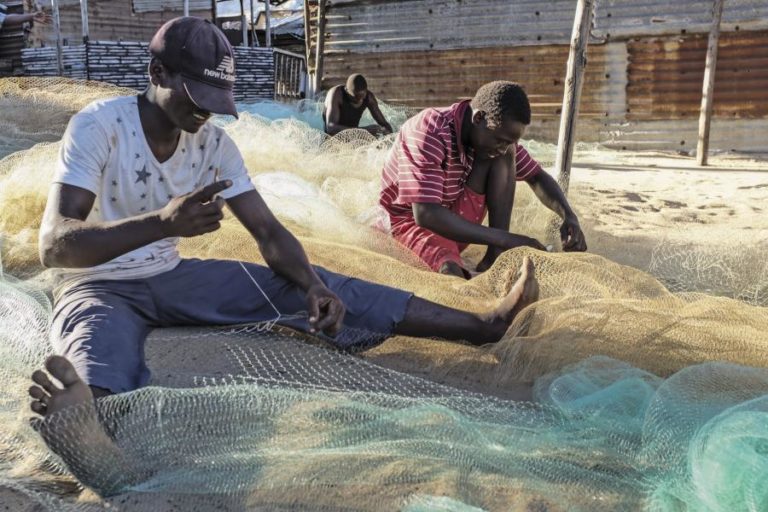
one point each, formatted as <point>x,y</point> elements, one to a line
<point>50,398</point>
<point>71,428</point>
<point>523,293</point>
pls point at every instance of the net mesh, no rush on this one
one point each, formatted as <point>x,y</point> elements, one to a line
<point>644,386</point>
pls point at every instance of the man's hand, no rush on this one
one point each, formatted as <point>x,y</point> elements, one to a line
<point>374,129</point>
<point>196,213</point>
<point>514,240</point>
<point>571,235</point>
<point>326,311</point>
<point>42,17</point>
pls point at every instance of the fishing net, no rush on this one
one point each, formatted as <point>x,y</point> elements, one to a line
<point>642,390</point>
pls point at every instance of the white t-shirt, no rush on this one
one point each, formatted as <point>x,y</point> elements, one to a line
<point>104,150</point>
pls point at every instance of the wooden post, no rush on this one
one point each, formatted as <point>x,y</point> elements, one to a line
<point>267,23</point>
<point>254,40</point>
<point>318,78</point>
<point>84,18</point>
<point>57,32</point>
<point>186,7</point>
<point>243,23</point>
<point>708,89</point>
<point>307,46</point>
<point>574,79</point>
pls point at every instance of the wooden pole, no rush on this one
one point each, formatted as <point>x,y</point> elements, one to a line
<point>318,78</point>
<point>255,41</point>
<point>243,23</point>
<point>57,32</point>
<point>574,80</point>
<point>84,18</point>
<point>267,24</point>
<point>708,89</point>
<point>307,46</point>
<point>186,7</point>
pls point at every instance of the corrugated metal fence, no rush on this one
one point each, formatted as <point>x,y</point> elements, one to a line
<point>644,76</point>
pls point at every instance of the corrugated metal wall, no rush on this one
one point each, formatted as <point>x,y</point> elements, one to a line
<point>404,25</point>
<point>621,19</point>
<point>666,74</point>
<point>646,61</point>
<point>108,20</point>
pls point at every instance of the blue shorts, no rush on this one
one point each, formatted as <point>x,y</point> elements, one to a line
<point>101,326</point>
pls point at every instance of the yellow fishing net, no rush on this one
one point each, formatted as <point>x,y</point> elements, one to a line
<point>325,191</point>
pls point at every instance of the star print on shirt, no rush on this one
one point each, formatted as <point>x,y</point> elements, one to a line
<point>143,175</point>
<point>114,183</point>
<point>143,196</point>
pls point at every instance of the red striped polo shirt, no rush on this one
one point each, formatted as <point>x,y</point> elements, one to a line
<point>428,163</point>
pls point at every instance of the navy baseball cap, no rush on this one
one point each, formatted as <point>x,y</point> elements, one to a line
<point>201,53</point>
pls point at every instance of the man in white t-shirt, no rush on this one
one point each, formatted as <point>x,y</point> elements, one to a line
<point>137,173</point>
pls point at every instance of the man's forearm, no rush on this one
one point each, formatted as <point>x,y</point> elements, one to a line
<point>336,128</point>
<point>13,20</point>
<point>284,254</point>
<point>551,195</point>
<point>73,243</point>
<point>453,227</point>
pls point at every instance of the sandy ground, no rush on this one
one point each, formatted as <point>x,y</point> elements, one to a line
<point>655,197</point>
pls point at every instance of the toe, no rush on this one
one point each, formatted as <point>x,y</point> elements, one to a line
<point>63,370</point>
<point>37,393</point>
<point>529,265</point>
<point>40,378</point>
<point>38,407</point>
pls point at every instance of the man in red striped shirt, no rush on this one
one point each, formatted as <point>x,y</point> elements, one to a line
<point>449,166</point>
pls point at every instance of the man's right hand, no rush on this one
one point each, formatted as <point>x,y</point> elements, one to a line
<point>374,129</point>
<point>514,240</point>
<point>42,18</point>
<point>196,213</point>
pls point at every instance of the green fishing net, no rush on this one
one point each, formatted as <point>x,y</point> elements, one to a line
<point>644,389</point>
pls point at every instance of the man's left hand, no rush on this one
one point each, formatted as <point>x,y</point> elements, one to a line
<point>572,236</point>
<point>326,311</point>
